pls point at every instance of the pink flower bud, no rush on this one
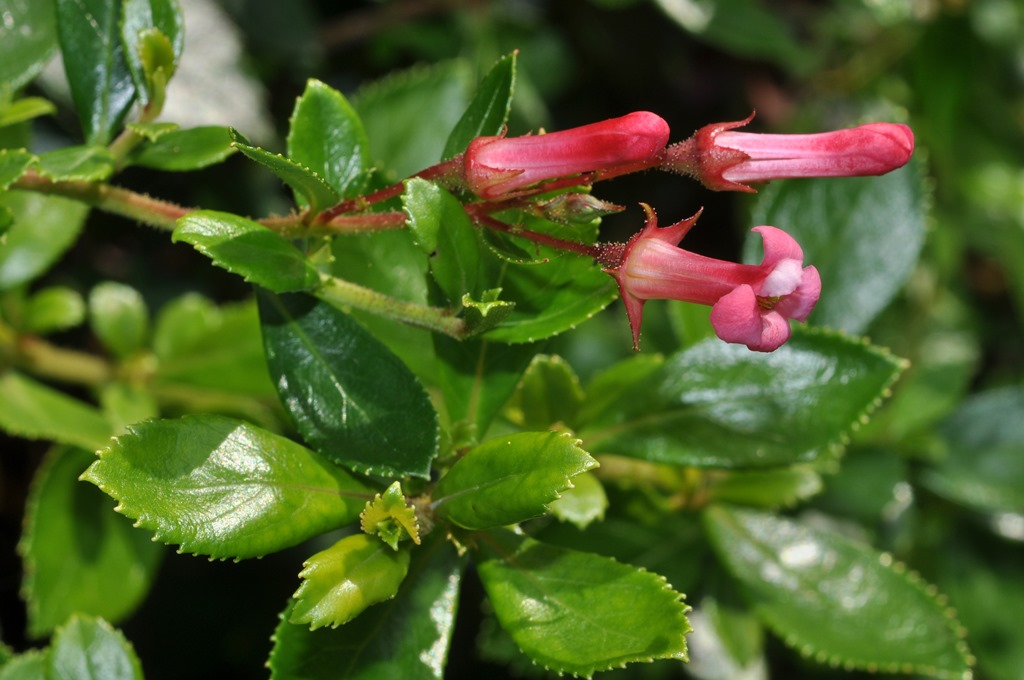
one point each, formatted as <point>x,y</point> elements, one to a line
<point>723,159</point>
<point>750,304</point>
<point>500,166</point>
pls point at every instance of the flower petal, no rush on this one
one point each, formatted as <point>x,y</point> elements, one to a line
<point>736,317</point>
<point>778,246</point>
<point>799,304</point>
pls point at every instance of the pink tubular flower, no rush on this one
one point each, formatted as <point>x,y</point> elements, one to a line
<point>750,304</point>
<point>725,160</point>
<point>499,166</point>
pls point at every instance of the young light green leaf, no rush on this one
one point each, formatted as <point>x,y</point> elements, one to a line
<point>13,164</point>
<point>144,18</point>
<point>584,503</point>
<point>983,468</point>
<point>182,323</point>
<point>88,163</point>
<point>30,665</point>
<point>836,600</point>
<point>342,581</point>
<point>719,405</point>
<point>419,621</point>
<point>509,479</point>
<point>248,249</point>
<point>79,556</point>
<point>317,193</point>
<point>44,227</point>
<point>220,487</point>
<point>154,131</point>
<point>548,394</point>
<point>35,411</point>
<point>101,84</point>
<point>29,36</point>
<point>580,613</point>
<point>53,309</point>
<point>488,112</point>
<point>350,397</point>
<point>444,232</point>
<point>844,225</point>
<point>326,136</point>
<point>25,109</point>
<point>390,518</point>
<point>119,317</point>
<point>184,150</point>
<point>87,648</point>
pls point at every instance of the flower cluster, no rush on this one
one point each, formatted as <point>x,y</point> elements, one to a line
<point>750,304</point>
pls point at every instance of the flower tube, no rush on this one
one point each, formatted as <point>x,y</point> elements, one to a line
<point>750,304</point>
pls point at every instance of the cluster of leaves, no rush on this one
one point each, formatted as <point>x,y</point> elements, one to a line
<point>393,399</point>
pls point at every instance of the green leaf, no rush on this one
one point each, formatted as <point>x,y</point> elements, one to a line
<point>488,112</point>
<point>419,621</point>
<point>31,665</point>
<point>143,21</point>
<point>584,503</point>
<point>13,164</point>
<point>90,649</point>
<point>53,309</point>
<point>409,114</point>
<point>390,518</point>
<point>477,377</point>
<point>44,227</point>
<point>983,468</point>
<point>327,137</point>
<point>509,479</point>
<point>29,36</point>
<point>220,487</point>
<point>249,249</point>
<point>181,325</point>
<point>720,405</point>
<point>77,163</point>
<point>779,488</point>
<point>342,581</point>
<point>317,193</point>
<point>726,642</point>
<point>35,411</point>
<point>444,232</point>
<point>183,150</point>
<point>119,317</point>
<point>154,131</point>
<point>580,613</point>
<point>864,234</point>
<point>548,394</point>
<point>126,403</point>
<point>842,602</point>
<point>25,109</point>
<point>79,556</point>
<point>101,84</point>
<point>350,397</point>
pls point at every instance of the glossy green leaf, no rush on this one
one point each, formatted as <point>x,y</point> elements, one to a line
<point>836,600</point>
<point>509,479</point>
<point>444,232</point>
<point>327,137</point>
<point>779,488</point>
<point>317,193</point>
<point>549,394</point>
<point>13,164</point>
<point>77,163</point>
<point>140,18</point>
<point>488,112</point>
<point>101,84</point>
<point>720,405</point>
<point>350,397</point>
<point>584,503</point>
<point>183,150</point>
<point>419,621</point>
<point>220,487</point>
<point>44,227</point>
<point>87,648</point>
<point>25,109</point>
<point>409,114</point>
<point>249,249</point>
<point>31,665</point>
<point>340,582</point>
<point>119,317</point>
<point>29,36</point>
<point>79,556</point>
<point>35,411</point>
<point>983,467</point>
<point>53,309</point>
<point>864,234</point>
<point>477,377</point>
<point>580,613</point>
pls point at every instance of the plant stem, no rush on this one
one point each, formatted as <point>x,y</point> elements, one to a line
<point>45,360</point>
<point>343,293</point>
